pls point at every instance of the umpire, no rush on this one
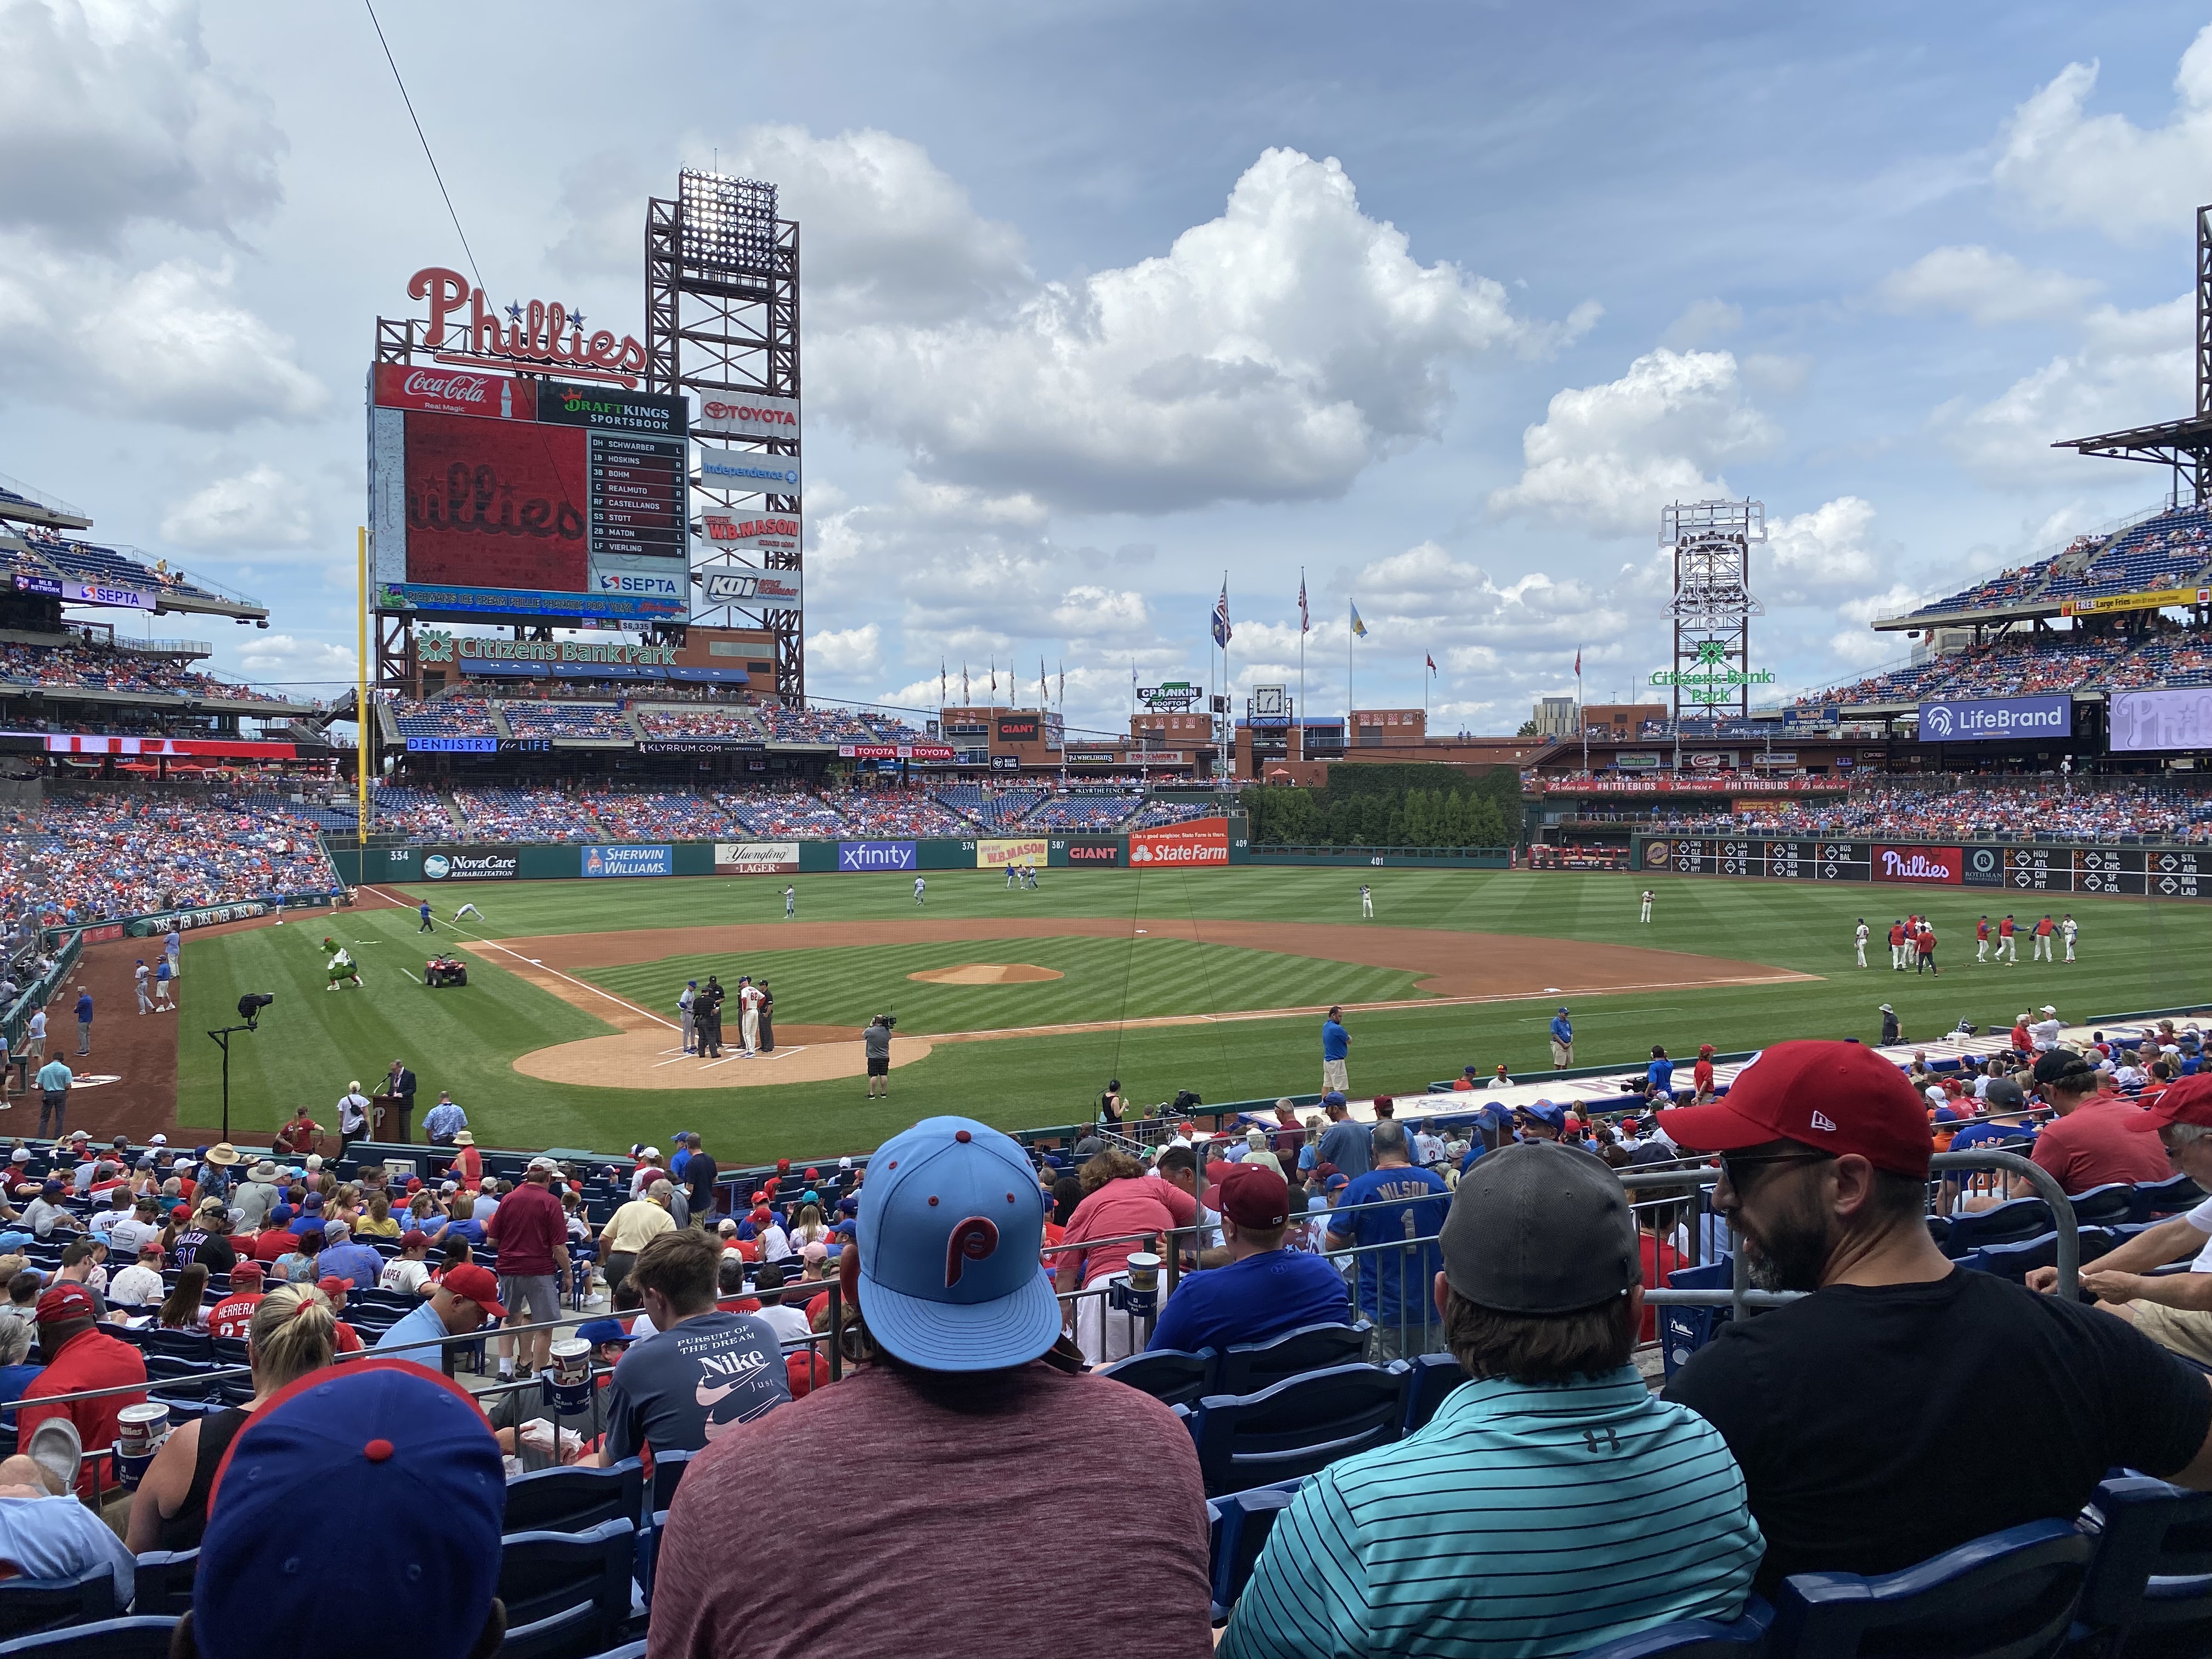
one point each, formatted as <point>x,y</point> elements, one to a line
<point>707,1015</point>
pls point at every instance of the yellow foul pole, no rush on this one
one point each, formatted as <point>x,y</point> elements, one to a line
<point>366,746</point>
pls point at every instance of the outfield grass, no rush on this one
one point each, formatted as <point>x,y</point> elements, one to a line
<point>2134,955</point>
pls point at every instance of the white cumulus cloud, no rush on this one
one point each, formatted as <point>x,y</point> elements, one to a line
<point>1270,355</point>
<point>2074,168</point>
<point>258,508</point>
<point>1983,287</point>
<point>1608,457</point>
<point>115,115</point>
<point>847,650</point>
<point>309,667</point>
<point>1815,555</point>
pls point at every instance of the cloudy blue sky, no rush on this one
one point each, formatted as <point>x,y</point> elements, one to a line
<point>1440,302</point>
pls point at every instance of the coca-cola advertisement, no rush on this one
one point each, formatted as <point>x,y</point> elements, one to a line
<point>443,390</point>
<point>492,504</point>
<point>1937,865</point>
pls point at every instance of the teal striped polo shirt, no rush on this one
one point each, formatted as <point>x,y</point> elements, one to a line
<point>1523,1521</point>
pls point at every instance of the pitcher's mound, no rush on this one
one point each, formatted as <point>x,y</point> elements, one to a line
<point>986,973</point>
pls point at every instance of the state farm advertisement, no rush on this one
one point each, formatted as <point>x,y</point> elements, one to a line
<point>1938,866</point>
<point>756,858</point>
<point>453,392</point>
<point>1201,841</point>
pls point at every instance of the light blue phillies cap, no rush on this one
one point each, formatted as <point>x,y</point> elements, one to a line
<point>951,1226</point>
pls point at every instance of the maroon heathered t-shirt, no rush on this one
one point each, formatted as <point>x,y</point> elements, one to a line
<point>2093,1145</point>
<point>958,1523</point>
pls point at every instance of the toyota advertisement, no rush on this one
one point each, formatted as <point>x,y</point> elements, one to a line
<point>1994,720</point>
<point>1201,841</point>
<point>1937,865</point>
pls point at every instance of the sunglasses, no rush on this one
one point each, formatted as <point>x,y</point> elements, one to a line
<point>1735,1166</point>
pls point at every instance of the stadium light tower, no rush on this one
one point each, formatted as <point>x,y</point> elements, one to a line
<point>1712,605</point>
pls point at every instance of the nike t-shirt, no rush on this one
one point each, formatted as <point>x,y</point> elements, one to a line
<point>693,1382</point>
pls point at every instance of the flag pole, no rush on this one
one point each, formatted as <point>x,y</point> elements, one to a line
<point>1298,714</point>
<point>1348,611</point>
<point>364,746</point>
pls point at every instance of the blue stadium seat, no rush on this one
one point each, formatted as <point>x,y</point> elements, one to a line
<point>667,1470</point>
<point>1684,1329</point>
<point>1296,1426</point>
<point>2009,1595</point>
<point>1237,1525</point>
<point>28,1605</point>
<point>628,1650</point>
<point>2112,1205</point>
<point>2015,1261</point>
<point>1172,1375</point>
<point>648,1555</point>
<point>544,1573</point>
<point>179,1345</point>
<point>2003,1224</point>
<point>162,1583</point>
<point>576,1632</point>
<point>2149,1587</point>
<point>575,1499</point>
<point>108,1638</point>
<point>1742,1637</point>
<point>1434,1377</point>
<point>1248,1367</point>
<point>2169,1197</point>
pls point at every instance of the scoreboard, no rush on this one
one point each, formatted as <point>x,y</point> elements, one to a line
<point>2134,872</point>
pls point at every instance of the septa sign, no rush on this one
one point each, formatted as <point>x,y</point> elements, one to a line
<point>1201,841</point>
<point>1936,865</point>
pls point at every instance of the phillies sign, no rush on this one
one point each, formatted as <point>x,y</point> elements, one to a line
<point>542,335</point>
<point>1937,865</point>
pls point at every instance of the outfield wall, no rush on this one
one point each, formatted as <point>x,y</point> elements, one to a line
<point>1390,857</point>
<point>2180,872</point>
<point>1197,844</point>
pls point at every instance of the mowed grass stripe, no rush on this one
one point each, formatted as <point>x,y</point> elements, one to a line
<point>849,985</point>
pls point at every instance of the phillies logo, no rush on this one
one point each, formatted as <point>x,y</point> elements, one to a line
<point>536,336</point>
<point>972,1240</point>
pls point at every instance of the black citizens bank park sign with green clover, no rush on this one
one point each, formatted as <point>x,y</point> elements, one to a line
<point>2178,872</point>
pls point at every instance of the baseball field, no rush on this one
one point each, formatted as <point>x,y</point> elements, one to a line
<point>1017,1006</point>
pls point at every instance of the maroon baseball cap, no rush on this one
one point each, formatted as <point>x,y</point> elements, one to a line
<point>478,1285</point>
<point>2189,1101</point>
<point>1251,1194</point>
<point>1840,1097</point>
<point>413,1237</point>
<point>67,1300</point>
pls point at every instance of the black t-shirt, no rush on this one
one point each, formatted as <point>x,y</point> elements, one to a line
<point>1879,1426</point>
<point>699,1173</point>
<point>212,1250</point>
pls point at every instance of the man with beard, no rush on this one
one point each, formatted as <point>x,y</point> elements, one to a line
<point>1844,1408</point>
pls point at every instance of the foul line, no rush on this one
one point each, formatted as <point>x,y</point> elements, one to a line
<point>581,985</point>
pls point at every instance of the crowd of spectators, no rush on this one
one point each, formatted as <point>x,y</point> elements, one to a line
<point>736,723</point>
<point>88,858</point>
<point>526,815</point>
<point>78,664</point>
<point>459,714</point>
<point>777,811</point>
<point>1081,814</point>
<point>659,815</point>
<point>900,812</point>
<point>1976,808</point>
<point>2017,664</point>
<point>568,720</point>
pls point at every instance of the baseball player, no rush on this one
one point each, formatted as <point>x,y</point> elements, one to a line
<point>139,977</point>
<point>161,977</point>
<point>174,948</point>
<point>1647,904</point>
<point>1982,939</point>
<point>920,887</point>
<point>1923,945</point>
<point>468,909</point>
<point>1028,877</point>
<point>684,1006</point>
<point>1897,946</point>
<point>2070,929</point>
<point>790,902</point>
<point>1366,900</point>
<point>2007,946</point>
<point>749,1002</point>
<point>1859,940</point>
<point>1013,875</point>
<point>2042,932</point>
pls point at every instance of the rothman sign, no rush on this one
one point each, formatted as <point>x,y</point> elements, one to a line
<point>1991,719</point>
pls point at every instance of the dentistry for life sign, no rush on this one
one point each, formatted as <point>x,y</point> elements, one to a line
<point>1996,720</point>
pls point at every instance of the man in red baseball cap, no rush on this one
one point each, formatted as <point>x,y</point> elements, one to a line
<point>80,1356</point>
<point>1264,1290</point>
<point>1842,1408</point>
<point>2176,1310</point>
<point>458,1304</point>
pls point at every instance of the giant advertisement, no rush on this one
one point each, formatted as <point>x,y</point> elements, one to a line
<point>875,855</point>
<point>612,861</point>
<point>997,853</point>
<point>2154,720</point>
<point>756,858</point>
<point>1200,841</point>
<point>490,493</point>
<point>1992,719</point>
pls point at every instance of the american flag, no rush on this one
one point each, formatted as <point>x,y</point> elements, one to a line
<point>1305,620</point>
<point>1222,631</point>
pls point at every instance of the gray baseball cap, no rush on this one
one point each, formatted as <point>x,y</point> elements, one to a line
<point>1539,1228</point>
